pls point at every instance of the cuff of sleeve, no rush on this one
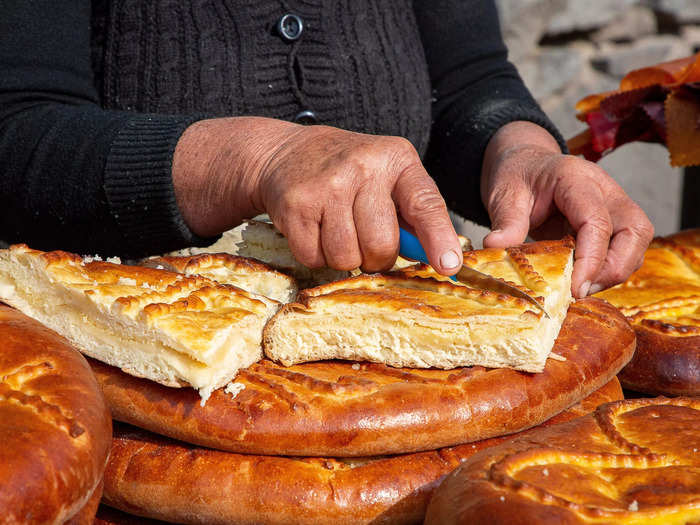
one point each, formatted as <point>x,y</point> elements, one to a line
<point>464,140</point>
<point>139,188</point>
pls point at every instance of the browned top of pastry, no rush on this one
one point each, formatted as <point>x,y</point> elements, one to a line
<point>634,461</point>
<point>55,428</point>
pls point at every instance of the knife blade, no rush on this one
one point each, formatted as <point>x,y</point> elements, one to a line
<point>411,248</point>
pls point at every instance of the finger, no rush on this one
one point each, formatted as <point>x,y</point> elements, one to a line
<point>420,204</point>
<point>304,237</point>
<point>632,234</point>
<point>377,229</point>
<point>581,201</point>
<point>509,207</point>
<point>339,239</point>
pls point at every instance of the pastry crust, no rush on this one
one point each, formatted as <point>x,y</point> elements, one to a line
<point>55,427</point>
<point>153,476</point>
<point>165,326</point>
<point>414,318</point>
<point>334,408</point>
<point>662,301</point>
<point>249,274</point>
<point>630,462</point>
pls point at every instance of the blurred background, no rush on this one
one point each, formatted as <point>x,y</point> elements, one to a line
<point>567,49</point>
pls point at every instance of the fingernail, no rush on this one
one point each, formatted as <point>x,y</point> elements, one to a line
<point>583,290</point>
<point>595,288</point>
<point>449,260</point>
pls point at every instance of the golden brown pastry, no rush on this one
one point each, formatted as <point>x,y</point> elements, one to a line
<point>249,274</point>
<point>341,408</point>
<point>157,477</point>
<point>630,462</point>
<point>174,329</point>
<point>662,301</point>
<point>409,319</point>
<point>55,428</point>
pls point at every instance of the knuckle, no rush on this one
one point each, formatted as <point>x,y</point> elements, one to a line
<point>425,201</point>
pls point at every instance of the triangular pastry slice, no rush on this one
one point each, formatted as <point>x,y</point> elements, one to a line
<point>411,319</point>
<point>168,327</point>
<point>248,274</point>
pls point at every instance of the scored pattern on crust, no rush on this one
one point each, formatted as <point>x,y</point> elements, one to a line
<point>671,312</point>
<point>293,387</point>
<point>14,388</point>
<point>504,471</point>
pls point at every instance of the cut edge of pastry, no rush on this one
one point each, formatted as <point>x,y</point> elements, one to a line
<point>134,344</point>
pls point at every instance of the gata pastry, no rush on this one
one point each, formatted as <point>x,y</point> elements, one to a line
<point>243,272</point>
<point>341,408</point>
<point>662,302</point>
<point>154,476</point>
<point>630,462</point>
<point>55,427</point>
<point>168,327</point>
<point>410,318</point>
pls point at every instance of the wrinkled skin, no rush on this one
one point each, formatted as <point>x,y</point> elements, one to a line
<point>338,196</point>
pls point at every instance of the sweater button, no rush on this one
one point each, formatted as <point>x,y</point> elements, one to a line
<point>306,117</point>
<point>290,27</point>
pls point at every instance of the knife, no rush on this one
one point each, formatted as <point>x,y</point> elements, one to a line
<point>411,248</point>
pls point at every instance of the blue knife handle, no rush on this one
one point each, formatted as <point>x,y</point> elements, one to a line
<point>410,247</point>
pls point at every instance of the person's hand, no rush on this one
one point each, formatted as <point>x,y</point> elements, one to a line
<point>530,187</point>
<point>334,194</point>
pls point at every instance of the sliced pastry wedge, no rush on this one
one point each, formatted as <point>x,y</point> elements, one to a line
<point>171,328</point>
<point>416,318</point>
<point>243,272</point>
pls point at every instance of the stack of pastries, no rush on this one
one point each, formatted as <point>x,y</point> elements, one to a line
<point>239,398</point>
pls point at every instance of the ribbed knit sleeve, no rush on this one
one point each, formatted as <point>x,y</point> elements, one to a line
<point>72,175</point>
<point>475,92</point>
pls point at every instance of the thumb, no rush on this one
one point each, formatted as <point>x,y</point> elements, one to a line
<point>509,207</point>
<point>422,207</point>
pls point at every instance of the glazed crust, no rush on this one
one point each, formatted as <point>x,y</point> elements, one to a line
<point>149,475</point>
<point>54,424</point>
<point>86,515</point>
<point>662,302</point>
<point>364,409</point>
<point>632,461</point>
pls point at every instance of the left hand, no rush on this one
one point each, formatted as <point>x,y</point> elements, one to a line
<point>530,187</point>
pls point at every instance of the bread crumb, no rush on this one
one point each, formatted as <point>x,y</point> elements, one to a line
<point>234,389</point>
<point>545,472</point>
<point>126,281</point>
<point>160,267</point>
<point>89,258</point>
<point>356,366</point>
<point>557,357</point>
<point>502,498</point>
<point>114,260</point>
<point>634,506</point>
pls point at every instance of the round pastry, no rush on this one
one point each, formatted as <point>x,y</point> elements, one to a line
<point>362,409</point>
<point>153,476</point>
<point>629,462</point>
<point>54,425</point>
<point>662,302</point>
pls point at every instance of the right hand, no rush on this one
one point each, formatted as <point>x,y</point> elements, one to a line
<point>336,195</point>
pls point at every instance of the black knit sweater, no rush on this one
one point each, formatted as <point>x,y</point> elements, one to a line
<point>94,96</point>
